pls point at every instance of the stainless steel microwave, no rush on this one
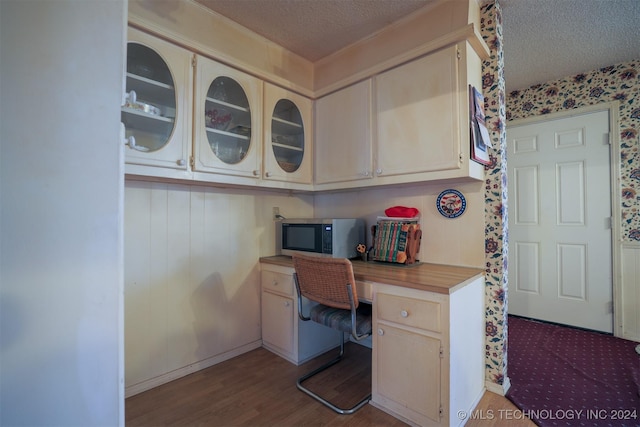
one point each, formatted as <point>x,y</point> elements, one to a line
<point>335,238</point>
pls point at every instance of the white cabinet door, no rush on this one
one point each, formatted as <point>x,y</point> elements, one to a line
<point>228,120</point>
<point>343,145</point>
<point>288,130</point>
<point>277,323</point>
<point>408,355</point>
<point>157,115</point>
<point>407,373</point>
<point>418,116</point>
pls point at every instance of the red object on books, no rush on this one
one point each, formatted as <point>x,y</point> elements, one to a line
<point>401,212</point>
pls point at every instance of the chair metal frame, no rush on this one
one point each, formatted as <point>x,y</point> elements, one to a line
<point>347,309</point>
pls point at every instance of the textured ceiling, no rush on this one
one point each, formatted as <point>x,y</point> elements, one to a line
<point>543,39</point>
<point>549,39</point>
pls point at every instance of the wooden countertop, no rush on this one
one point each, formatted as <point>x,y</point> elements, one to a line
<point>443,279</point>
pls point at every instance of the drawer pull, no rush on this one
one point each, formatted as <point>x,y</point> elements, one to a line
<point>287,303</point>
<point>380,331</point>
<point>275,283</point>
<point>404,313</point>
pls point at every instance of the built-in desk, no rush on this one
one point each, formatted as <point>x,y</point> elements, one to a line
<point>438,278</point>
<point>428,334</point>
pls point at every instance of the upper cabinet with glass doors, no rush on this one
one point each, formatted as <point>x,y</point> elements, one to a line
<point>228,122</point>
<point>157,108</point>
<point>287,136</point>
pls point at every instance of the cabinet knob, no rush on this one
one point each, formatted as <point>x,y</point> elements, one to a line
<point>404,313</point>
<point>380,331</point>
<point>181,162</point>
<point>268,174</point>
<point>275,283</point>
<point>378,171</point>
<point>256,172</point>
<point>287,303</point>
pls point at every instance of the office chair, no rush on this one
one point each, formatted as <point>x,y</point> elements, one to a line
<point>330,283</point>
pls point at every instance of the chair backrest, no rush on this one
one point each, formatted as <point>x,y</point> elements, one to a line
<point>325,280</point>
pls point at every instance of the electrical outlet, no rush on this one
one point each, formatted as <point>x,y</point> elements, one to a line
<point>276,212</point>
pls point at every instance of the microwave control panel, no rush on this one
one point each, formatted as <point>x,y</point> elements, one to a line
<point>327,237</point>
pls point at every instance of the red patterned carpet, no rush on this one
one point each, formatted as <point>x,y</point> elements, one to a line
<point>564,376</point>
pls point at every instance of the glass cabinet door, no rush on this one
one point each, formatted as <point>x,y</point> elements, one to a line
<point>150,109</point>
<point>226,120</point>
<point>287,135</point>
<point>287,142</point>
<point>153,114</point>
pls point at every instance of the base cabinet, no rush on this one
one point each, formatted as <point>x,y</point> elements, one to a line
<point>428,353</point>
<point>408,370</point>
<point>428,350</point>
<point>283,332</point>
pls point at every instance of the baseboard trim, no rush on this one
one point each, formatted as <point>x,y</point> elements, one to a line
<point>134,389</point>
<point>500,389</point>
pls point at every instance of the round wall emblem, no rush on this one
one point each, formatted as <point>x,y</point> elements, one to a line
<point>451,203</point>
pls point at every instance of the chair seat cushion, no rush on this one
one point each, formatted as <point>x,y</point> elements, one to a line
<point>340,319</point>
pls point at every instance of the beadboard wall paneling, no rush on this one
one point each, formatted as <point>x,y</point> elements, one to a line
<point>192,279</point>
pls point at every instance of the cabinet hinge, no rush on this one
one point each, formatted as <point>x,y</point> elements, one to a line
<point>607,138</point>
<point>460,158</point>
<point>458,52</point>
<point>192,162</point>
<point>441,353</point>
<point>440,411</point>
<point>194,60</point>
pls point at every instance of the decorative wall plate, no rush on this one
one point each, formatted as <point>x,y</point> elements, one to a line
<point>451,203</point>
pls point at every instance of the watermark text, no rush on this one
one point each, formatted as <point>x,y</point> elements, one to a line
<point>550,414</point>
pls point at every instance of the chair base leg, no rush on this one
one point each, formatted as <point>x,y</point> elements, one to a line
<point>344,411</point>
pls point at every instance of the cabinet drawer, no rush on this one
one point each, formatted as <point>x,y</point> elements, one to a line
<point>277,282</point>
<point>365,291</point>
<point>410,312</point>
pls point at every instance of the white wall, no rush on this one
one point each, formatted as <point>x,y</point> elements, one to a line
<point>61,213</point>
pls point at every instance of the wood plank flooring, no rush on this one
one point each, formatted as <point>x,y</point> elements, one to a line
<point>258,388</point>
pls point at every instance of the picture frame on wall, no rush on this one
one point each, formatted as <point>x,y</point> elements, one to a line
<point>479,134</point>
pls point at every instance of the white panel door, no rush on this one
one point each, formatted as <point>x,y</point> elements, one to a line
<point>559,221</point>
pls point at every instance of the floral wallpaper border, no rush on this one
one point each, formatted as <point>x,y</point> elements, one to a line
<point>496,213</point>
